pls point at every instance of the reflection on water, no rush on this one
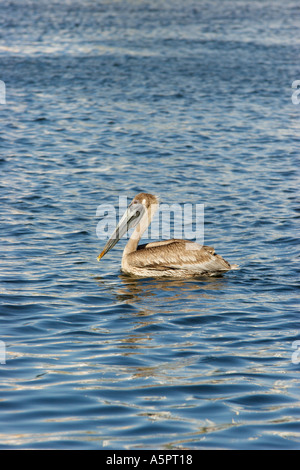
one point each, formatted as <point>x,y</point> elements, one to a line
<point>135,289</point>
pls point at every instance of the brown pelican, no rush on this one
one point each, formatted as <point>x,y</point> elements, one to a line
<point>172,258</point>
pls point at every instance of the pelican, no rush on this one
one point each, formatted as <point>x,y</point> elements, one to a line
<point>172,258</point>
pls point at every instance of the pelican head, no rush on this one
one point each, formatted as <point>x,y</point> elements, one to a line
<point>139,207</point>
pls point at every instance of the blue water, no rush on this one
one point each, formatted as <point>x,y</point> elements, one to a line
<point>190,101</point>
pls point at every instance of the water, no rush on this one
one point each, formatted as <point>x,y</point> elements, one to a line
<point>190,101</point>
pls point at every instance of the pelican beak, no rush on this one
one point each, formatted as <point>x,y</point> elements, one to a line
<point>102,254</point>
<point>129,220</point>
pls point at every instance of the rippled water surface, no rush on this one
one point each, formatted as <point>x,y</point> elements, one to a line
<point>190,101</point>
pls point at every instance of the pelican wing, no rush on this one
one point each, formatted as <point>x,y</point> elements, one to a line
<point>178,254</point>
<point>160,243</point>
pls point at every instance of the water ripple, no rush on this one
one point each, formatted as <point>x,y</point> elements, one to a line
<point>107,99</point>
